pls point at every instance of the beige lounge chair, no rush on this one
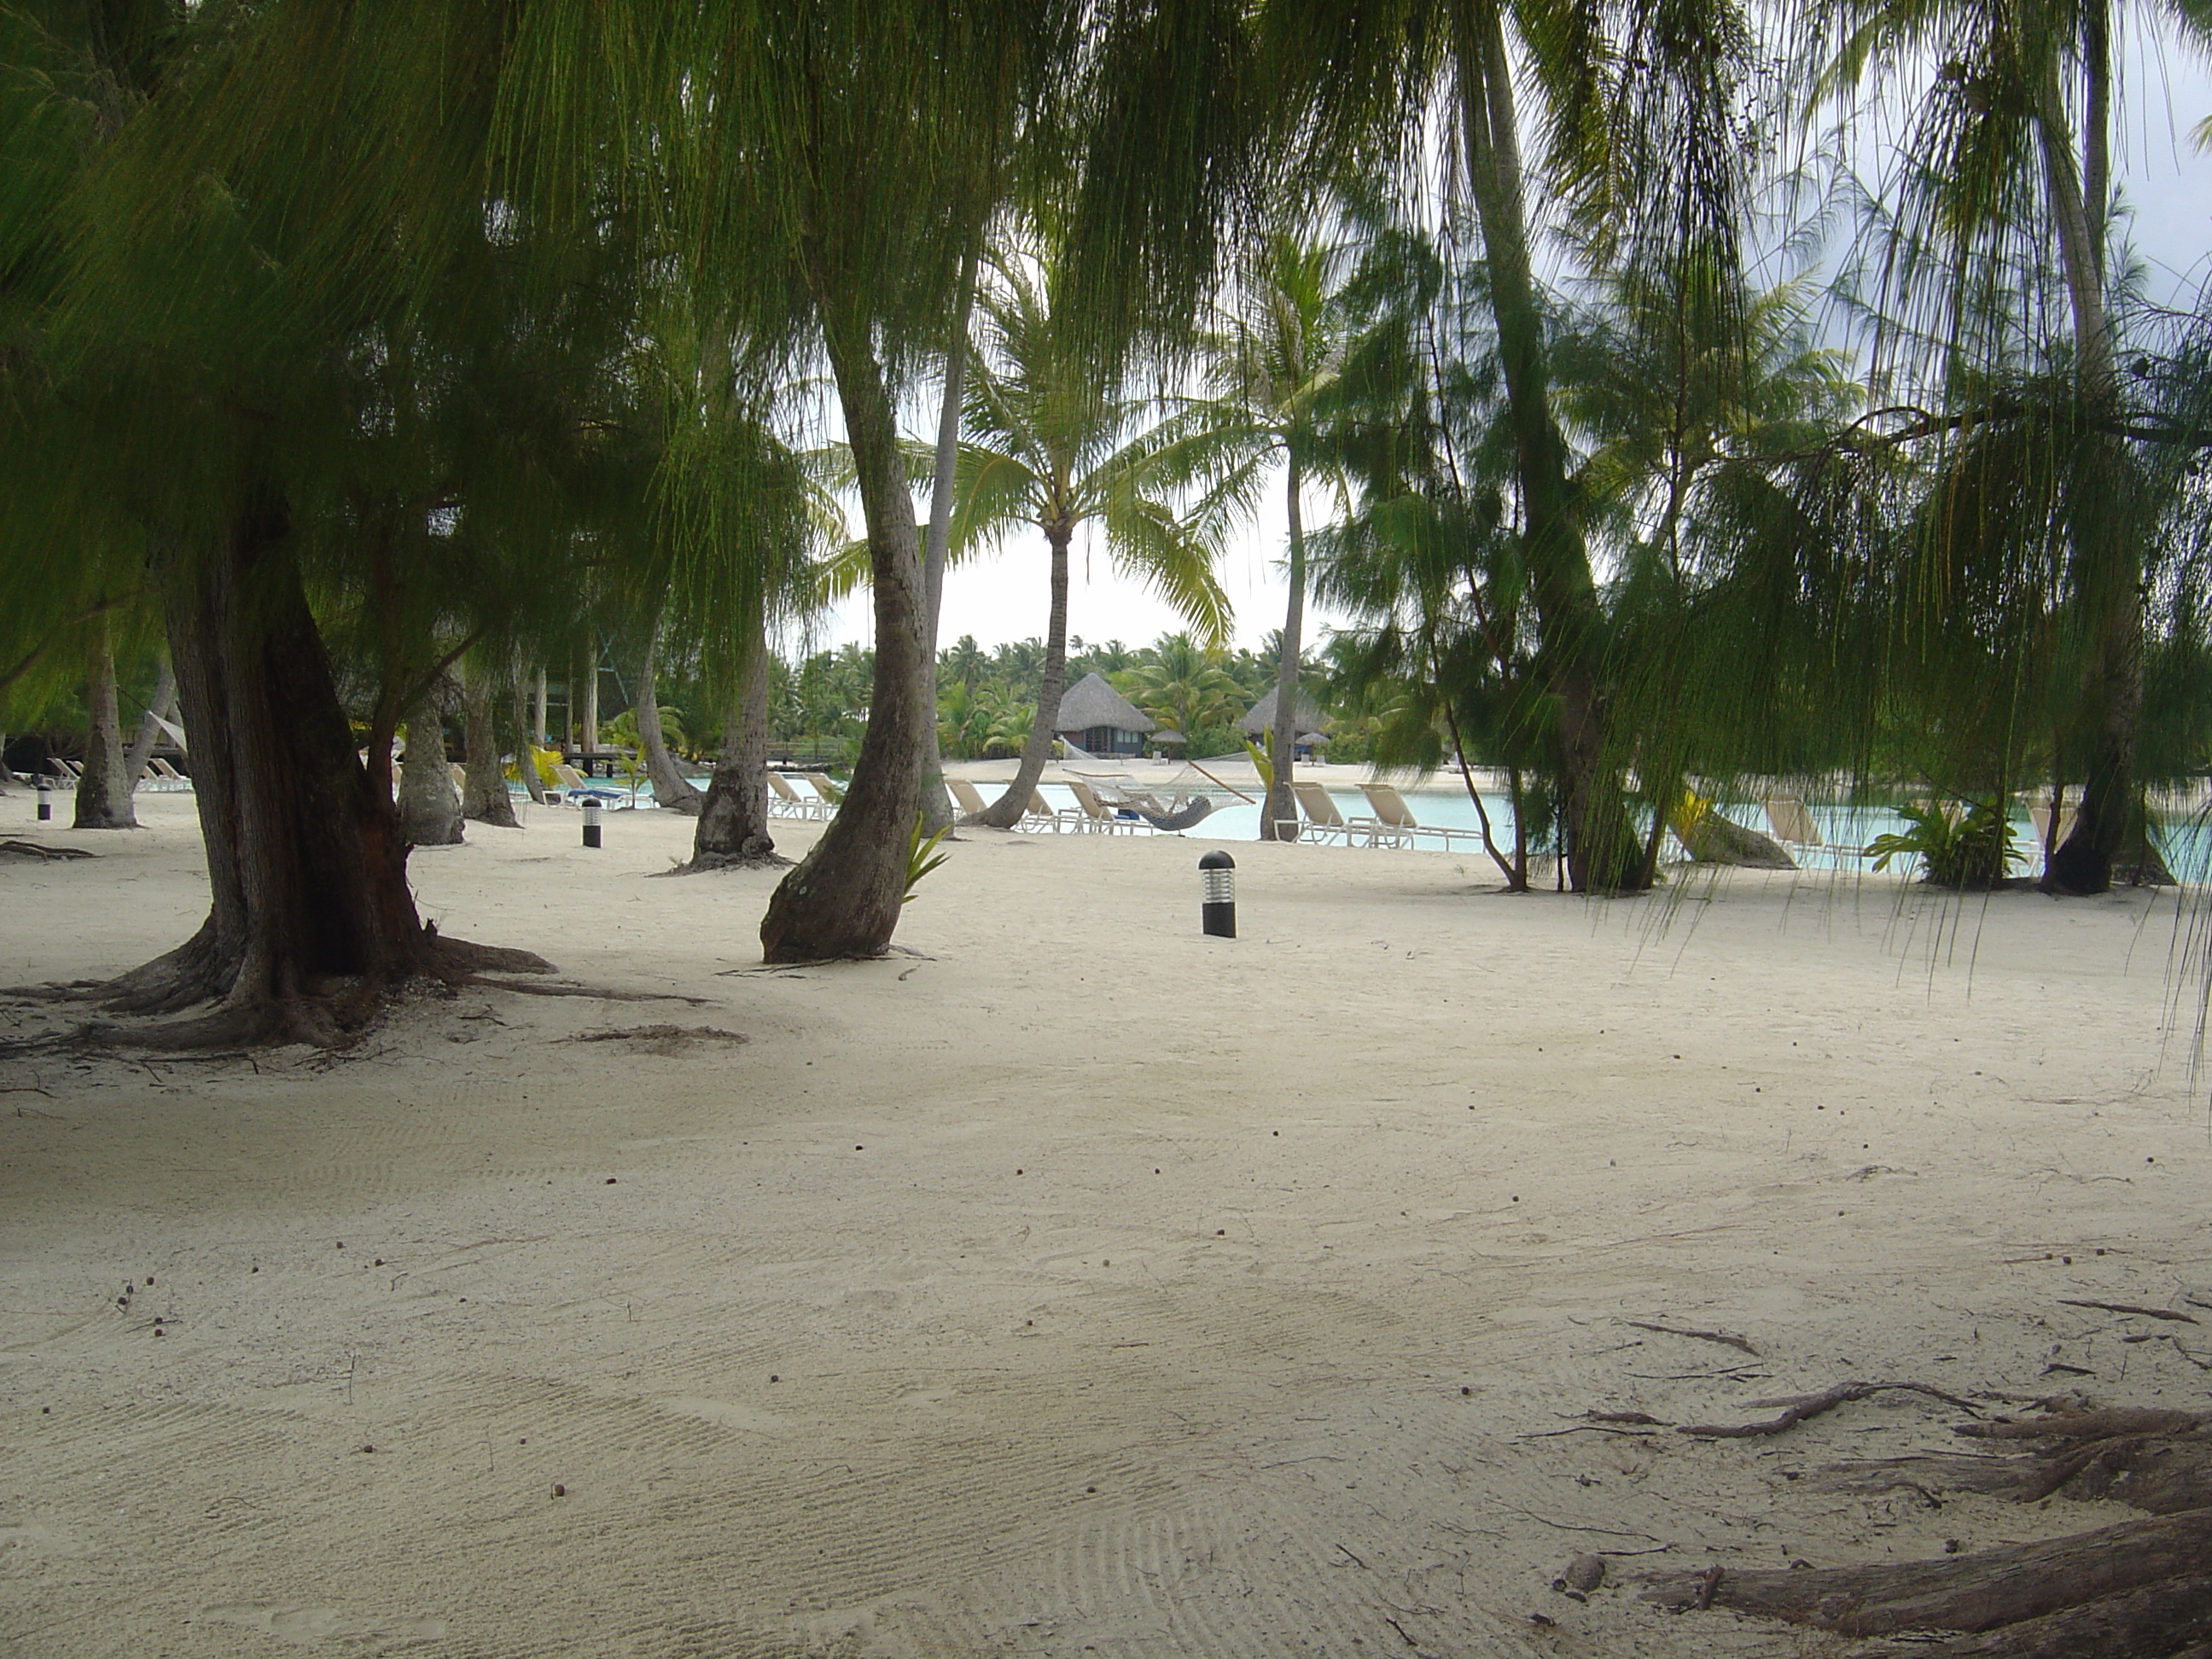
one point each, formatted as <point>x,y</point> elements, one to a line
<point>830,793</point>
<point>1792,823</point>
<point>1396,823</point>
<point>1323,821</point>
<point>787,802</point>
<point>2040,817</point>
<point>162,776</point>
<point>966,797</point>
<point>1043,814</point>
<point>1097,814</point>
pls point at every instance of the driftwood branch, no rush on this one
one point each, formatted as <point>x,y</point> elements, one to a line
<point>1722,1337</point>
<point>1797,1409</point>
<point>2130,1308</point>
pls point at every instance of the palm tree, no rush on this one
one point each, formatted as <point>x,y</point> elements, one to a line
<point>2011,145</point>
<point>1053,445</point>
<point>1182,685</point>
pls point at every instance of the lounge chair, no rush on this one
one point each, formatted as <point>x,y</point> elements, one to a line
<point>2040,817</point>
<point>1323,821</point>
<point>162,776</point>
<point>1792,824</point>
<point>966,798</point>
<point>1097,814</point>
<point>576,786</point>
<point>787,802</point>
<point>1041,815</point>
<point>1397,824</point>
<point>830,794</point>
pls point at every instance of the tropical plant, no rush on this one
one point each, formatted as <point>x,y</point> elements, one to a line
<point>1053,445</point>
<point>1968,849</point>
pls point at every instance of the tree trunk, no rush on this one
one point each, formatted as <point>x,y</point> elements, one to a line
<point>843,899</point>
<point>538,712</point>
<point>2108,547</point>
<point>1278,816</point>
<point>163,703</point>
<point>1006,813</point>
<point>1601,853</point>
<point>310,918</point>
<point>734,828</point>
<point>589,733</point>
<point>936,802</point>
<point>483,795</point>
<point>429,807</point>
<point>103,794</point>
<point>670,786</point>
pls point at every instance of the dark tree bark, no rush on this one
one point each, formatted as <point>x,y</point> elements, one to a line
<point>483,795</point>
<point>843,899</point>
<point>1601,851</point>
<point>670,786</point>
<point>1006,813</point>
<point>310,920</point>
<point>733,827</point>
<point>430,806</point>
<point>1278,816</point>
<point>103,793</point>
<point>163,702</point>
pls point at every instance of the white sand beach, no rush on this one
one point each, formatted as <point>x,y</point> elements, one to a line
<point>1070,1283</point>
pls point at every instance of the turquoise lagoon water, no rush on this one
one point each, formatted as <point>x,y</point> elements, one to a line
<point>2187,843</point>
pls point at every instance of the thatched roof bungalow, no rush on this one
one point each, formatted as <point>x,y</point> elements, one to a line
<point>1259,720</point>
<point>1100,720</point>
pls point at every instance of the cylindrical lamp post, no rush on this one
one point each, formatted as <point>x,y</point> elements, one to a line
<point>1216,911</point>
<point>45,800</point>
<point>590,821</point>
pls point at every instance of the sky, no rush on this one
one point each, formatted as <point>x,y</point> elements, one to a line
<point>2166,181</point>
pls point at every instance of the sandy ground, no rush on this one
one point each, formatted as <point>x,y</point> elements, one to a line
<point>1079,1285</point>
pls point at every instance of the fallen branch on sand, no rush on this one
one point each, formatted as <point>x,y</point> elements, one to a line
<point>2130,1307</point>
<point>1722,1337</point>
<point>31,849</point>
<point>601,992</point>
<point>1797,1409</point>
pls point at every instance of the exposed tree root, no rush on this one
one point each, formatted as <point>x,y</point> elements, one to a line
<point>31,849</point>
<point>1972,1593</point>
<point>668,1040</point>
<point>2140,1590</point>
<point>704,863</point>
<point>600,993</point>
<point>1797,1409</point>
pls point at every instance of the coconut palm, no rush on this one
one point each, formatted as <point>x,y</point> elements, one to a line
<point>1053,445</point>
<point>1182,685</point>
<point>2010,149</point>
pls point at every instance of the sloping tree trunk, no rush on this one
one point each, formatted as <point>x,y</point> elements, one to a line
<point>1006,813</point>
<point>589,734</point>
<point>1279,817</point>
<point>430,806</point>
<point>483,790</point>
<point>734,828</point>
<point>310,920</point>
<point>1601,853</point>
<point>103,794</point>
<point>670,786</point>
<point>2108,542</point>
<point>844,897</point>
<point>162,703</point>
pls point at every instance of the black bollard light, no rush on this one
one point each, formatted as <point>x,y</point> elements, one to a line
<point>46,800</point>
<point>590,821</point>
<point>1216,911</point>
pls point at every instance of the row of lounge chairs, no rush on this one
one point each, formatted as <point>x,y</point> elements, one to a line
<point>159,774</point>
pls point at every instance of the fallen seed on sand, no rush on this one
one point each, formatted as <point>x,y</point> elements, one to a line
<point>560,1492</point>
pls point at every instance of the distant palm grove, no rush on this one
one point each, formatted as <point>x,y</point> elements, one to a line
<point>1678,398</point>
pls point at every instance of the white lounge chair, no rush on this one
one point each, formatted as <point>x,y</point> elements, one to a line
<point>1398,825</point>
<point>1098,815</point>
<point>1043,814</point>
<point>830,794</point>
<point>1323,821</point>
<point>2040,817</point>
<point>1793,825</point>
<point>967,799</point>
<point>787,802</point>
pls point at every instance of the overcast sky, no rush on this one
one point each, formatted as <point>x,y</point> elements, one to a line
<point>2166,181</point>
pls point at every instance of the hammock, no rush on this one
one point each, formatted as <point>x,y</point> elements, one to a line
<point>1189,800</point>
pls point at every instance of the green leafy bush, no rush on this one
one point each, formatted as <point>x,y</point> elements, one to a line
<point>1970,851</point>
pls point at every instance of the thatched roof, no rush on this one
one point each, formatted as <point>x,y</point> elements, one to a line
<point>1260,717</point>
<point>1090,702</point>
